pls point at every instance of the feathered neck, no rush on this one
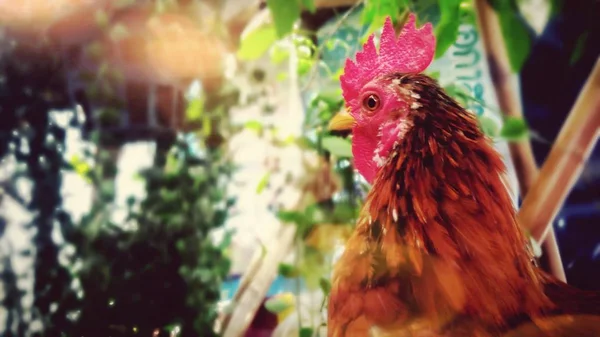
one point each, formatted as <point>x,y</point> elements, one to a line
<point>440,196</point>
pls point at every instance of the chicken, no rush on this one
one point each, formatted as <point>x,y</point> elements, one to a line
<point>437,250</point>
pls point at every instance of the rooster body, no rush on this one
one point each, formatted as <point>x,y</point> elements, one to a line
<point>437,250</point>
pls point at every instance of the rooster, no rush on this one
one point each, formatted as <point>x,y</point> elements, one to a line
<point>437,250</point>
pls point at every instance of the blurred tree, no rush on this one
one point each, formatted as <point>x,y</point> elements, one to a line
<point>32,87</point>
<point>165,274</point>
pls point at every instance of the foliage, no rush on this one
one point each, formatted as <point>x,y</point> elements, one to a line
<point>375,12</point>
<point>286,14</point>
<point>169,260</point>
<point>517,36</point>
<point>116,275</point>
<point>255,44</point>
<point>337,146</point>
<point>446,31</point>
<point>514,128</point>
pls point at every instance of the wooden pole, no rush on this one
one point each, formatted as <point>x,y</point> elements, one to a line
<point>565,161</point>
<point>507,93</point>
<point>509,102</point>
<point>249,300</point>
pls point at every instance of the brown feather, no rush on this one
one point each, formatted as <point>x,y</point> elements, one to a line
<point>447,237</point>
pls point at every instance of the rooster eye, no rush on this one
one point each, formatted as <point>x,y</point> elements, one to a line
<point>371,102</point>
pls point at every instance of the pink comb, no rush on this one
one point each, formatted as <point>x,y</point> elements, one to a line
<point>412,52</point>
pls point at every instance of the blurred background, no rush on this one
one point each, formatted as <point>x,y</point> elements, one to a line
<point>166,169</point>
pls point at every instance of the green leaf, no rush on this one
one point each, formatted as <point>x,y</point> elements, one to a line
<point>434,74</point>
<point>375,11</point>
<point>254,125</point>
<point>458,92</point>
<point>285,13</point>
<point>489,126</point>
<point>446,33</point>
<point>305,332</point>
<point>80,167</point>
<point>514,129</point>
<point>227,239</point>
<point>172,163</point>
<point>309,4</point>
<point>314,213</point>
<point>180,245</point>
<point>517,37</point>
<point>337,146</point>
<point>291,216</point>
<point>256,43</point>
<point>325,285</point>
<point>206,125</point>
<point>579,48</point>
<point>336,76</point>
<point>446,30</point>
<point>344,212</point>
<point>281,76</point>
<point>304,66</point>
<point>467,12</point>
<point>195,109</point>
<point>331,98</point>
<point>287,270</point>
<point>279,53</point>
<point>278,304</point>
<point>264,181</point>
<point>304,46</point>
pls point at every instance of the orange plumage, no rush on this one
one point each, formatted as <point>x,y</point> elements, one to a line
<point>437,250</point>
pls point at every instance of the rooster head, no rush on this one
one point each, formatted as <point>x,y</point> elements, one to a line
<point>377,100</point>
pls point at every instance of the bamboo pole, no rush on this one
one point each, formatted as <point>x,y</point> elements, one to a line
<point>259,279</point>
<point>245,282</point>
<point>250,299</point>
<point>510,104</point>
<point>506,92</point>
<point>565,161</point>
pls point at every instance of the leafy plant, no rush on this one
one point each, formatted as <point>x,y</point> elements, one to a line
<point>124,272</point>
<point>446,31</point>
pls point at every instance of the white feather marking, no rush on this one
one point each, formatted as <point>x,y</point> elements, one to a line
<point>405,91</point>
<point>379,160</point>
<point>395,215</point>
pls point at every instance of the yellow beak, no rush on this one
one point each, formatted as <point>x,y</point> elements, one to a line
<point>342,121</point>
